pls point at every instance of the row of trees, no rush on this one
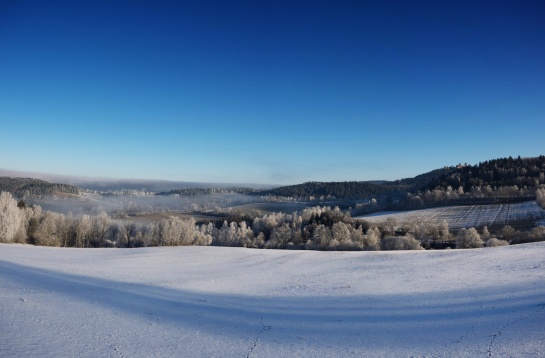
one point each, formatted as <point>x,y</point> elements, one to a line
<point>22,224</point>
<point>56,229</point>
<point>317,228</point>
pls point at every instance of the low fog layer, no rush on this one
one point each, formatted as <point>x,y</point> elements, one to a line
<point>132,204</point>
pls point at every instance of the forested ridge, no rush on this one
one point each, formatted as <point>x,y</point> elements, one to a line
<point>345,190</point>
<point>498,173</point>
<point>21,187</point>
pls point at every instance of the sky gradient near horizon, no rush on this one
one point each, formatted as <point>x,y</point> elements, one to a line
<point>278,92</point>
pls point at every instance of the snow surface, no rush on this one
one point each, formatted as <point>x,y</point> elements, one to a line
<point>465,216</point>
<point>236,302</point>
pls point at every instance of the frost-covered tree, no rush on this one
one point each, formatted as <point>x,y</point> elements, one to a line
<point>65,224</point>
<point>46,233</point>
<point>342,237</point>
<point>485,234</point>
<point>537,233</point>
<point>29,224</point>
<point>444,232</point>
<point>233,235</point>
<point>260,240</point>
<point>280,237</point>
<point>128,235</point>
<point>10,217</point>
<point>356,235</point>
<point>82,231</point>
<point>169,231</point>
<point>100,225</point>
<point>203,234</point>
<point>389,225</point>
<point>187,235</point>
<point>321,238</point>
<point>540,195</point>
<point>508,232</point>
<point>244,234</point>
<point>150,235</point>
<point>468,239</point>
<point>371,239</point>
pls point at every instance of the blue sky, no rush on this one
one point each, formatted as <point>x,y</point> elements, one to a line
<point>268,92</point>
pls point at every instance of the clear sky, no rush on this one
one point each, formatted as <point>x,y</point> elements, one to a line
<point>277,92</point>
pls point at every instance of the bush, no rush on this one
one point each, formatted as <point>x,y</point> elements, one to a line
<point>493,242</point>
<point>407,242</point>
<point>468,239</point>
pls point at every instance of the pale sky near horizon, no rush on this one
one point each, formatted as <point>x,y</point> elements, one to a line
<point>277,92</point>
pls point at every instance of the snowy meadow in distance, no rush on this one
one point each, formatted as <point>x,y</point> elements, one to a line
<point>459,217</point>
<point>238,302</point>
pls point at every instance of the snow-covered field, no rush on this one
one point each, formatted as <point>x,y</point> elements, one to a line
<point>235,302</point>
<point>466,216</point>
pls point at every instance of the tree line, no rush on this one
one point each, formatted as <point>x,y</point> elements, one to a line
<point>317,228</point>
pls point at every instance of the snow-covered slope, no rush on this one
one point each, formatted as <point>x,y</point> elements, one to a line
<point>234,302</point>
<point>465,216</point>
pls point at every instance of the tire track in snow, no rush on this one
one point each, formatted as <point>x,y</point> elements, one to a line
<point>471,330</point>
<point>264,329</point>
<point>481,308</point>
<point>499,332</point>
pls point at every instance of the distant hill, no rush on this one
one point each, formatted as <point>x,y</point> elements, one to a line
<point>348,189</point>
<point>206,191</point>
<point>522,172</point>
<point>26,186</point>
<point>502,172</point>
<point>158,186</point>
<point>114,185</point>
<point>426,179</point>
